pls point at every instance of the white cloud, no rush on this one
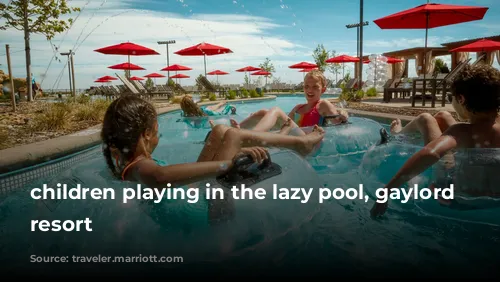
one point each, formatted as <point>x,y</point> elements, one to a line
<point>403,43</point>
<point>112,23</point>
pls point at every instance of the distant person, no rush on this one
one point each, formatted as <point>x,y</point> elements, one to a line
<point>476,99</point>
<point>192,109</point>
<point>313,112</point>
<point>33,85</point>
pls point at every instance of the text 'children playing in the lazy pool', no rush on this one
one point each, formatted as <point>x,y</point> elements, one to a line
<point>63,192</point>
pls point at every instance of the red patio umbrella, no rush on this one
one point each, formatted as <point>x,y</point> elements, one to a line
<point>217,73</point>
<point>127,48</point>
<point>204,49</point>
<point>180,75</point>
<point>126,66</point>
<point>303,65</point>
<point>154,75</point>
<point>482,45</point>
<point>262,72</point>
<point>102,80</point>
<point>428,16</point>
<point>343,59</point>
<point>136,78</point>
<point>107,77</point>
<point>247,69</point>
<point>176,67</point>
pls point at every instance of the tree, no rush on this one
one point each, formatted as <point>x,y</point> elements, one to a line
<point>35,16</point>
<point>267,66</point>
<point>335,67</point>
<point>440,67</point>
<point>320,55</point>
<point>149,83</point>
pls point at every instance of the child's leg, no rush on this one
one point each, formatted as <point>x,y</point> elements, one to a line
<point>271,118</point>
<point>429,126</point>
<point>250,121</point>
<point>224,142</point>
<point>216,107</point>
<point>444,120</point>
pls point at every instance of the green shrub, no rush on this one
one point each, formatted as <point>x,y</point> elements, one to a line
<point>244,93</point>
<point>212,96</point>
<point>231,95</point>
<point>253,93</point>
<point>372,92</point>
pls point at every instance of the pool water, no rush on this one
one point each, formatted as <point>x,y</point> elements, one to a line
<point>337,238</point>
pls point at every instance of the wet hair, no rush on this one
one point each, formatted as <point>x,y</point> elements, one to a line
<point>126,119</point>
<point>318,75</point>
<point>190,108</point>
<point>480,86</point>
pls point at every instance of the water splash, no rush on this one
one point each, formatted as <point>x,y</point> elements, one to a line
<point>56,49</point>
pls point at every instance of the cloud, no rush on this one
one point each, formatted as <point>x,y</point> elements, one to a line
<point>403,43</point>
<point>114,22</point>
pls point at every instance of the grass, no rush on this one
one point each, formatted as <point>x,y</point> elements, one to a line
<point>66,114</point>
<point>40,120</point>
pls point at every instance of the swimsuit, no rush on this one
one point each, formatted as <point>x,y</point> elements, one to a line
<point>158,162</point>
<point>225,111</point>
<point>311,118</point>
<point>175,214</point>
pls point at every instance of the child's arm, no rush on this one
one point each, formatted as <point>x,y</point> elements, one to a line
<point>326,108</point>
<point>291,115</point>
<point>154,175</point>
<point>419,162</point>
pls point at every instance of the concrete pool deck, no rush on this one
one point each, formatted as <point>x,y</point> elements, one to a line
<point>28,155</point>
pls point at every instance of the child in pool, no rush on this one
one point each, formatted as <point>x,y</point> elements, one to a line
<point>191,109</point>
<point>303,115</point>
<point>476,98</point>
<point>130,135</point>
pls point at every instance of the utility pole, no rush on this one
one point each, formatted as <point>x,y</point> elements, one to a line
<point>166,43</point>
<point>12,91</point>
<point>361,45</point>
<point>358,43</point>
<point>70,69</point>
<point>73,73</point>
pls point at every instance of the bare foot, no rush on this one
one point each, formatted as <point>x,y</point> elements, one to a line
<point>287,126</point>
<point>234,123</point>
<point>310,140</point>
<point>396,126</point>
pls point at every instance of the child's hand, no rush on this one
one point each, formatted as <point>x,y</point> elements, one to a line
<point>378,209</point>
<point>258,154</point>
<point>344,115</point>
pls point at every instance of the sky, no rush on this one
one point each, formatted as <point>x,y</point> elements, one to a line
<point>285,31</point>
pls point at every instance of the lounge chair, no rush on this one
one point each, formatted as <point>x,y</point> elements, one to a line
<point>130,87</point>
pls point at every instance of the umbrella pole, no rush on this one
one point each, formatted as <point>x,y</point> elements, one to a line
<point>425,61</point>
<point>205,63</point>
<point>128,65</point>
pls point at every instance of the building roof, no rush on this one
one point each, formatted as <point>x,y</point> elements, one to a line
<point>455,44</point>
